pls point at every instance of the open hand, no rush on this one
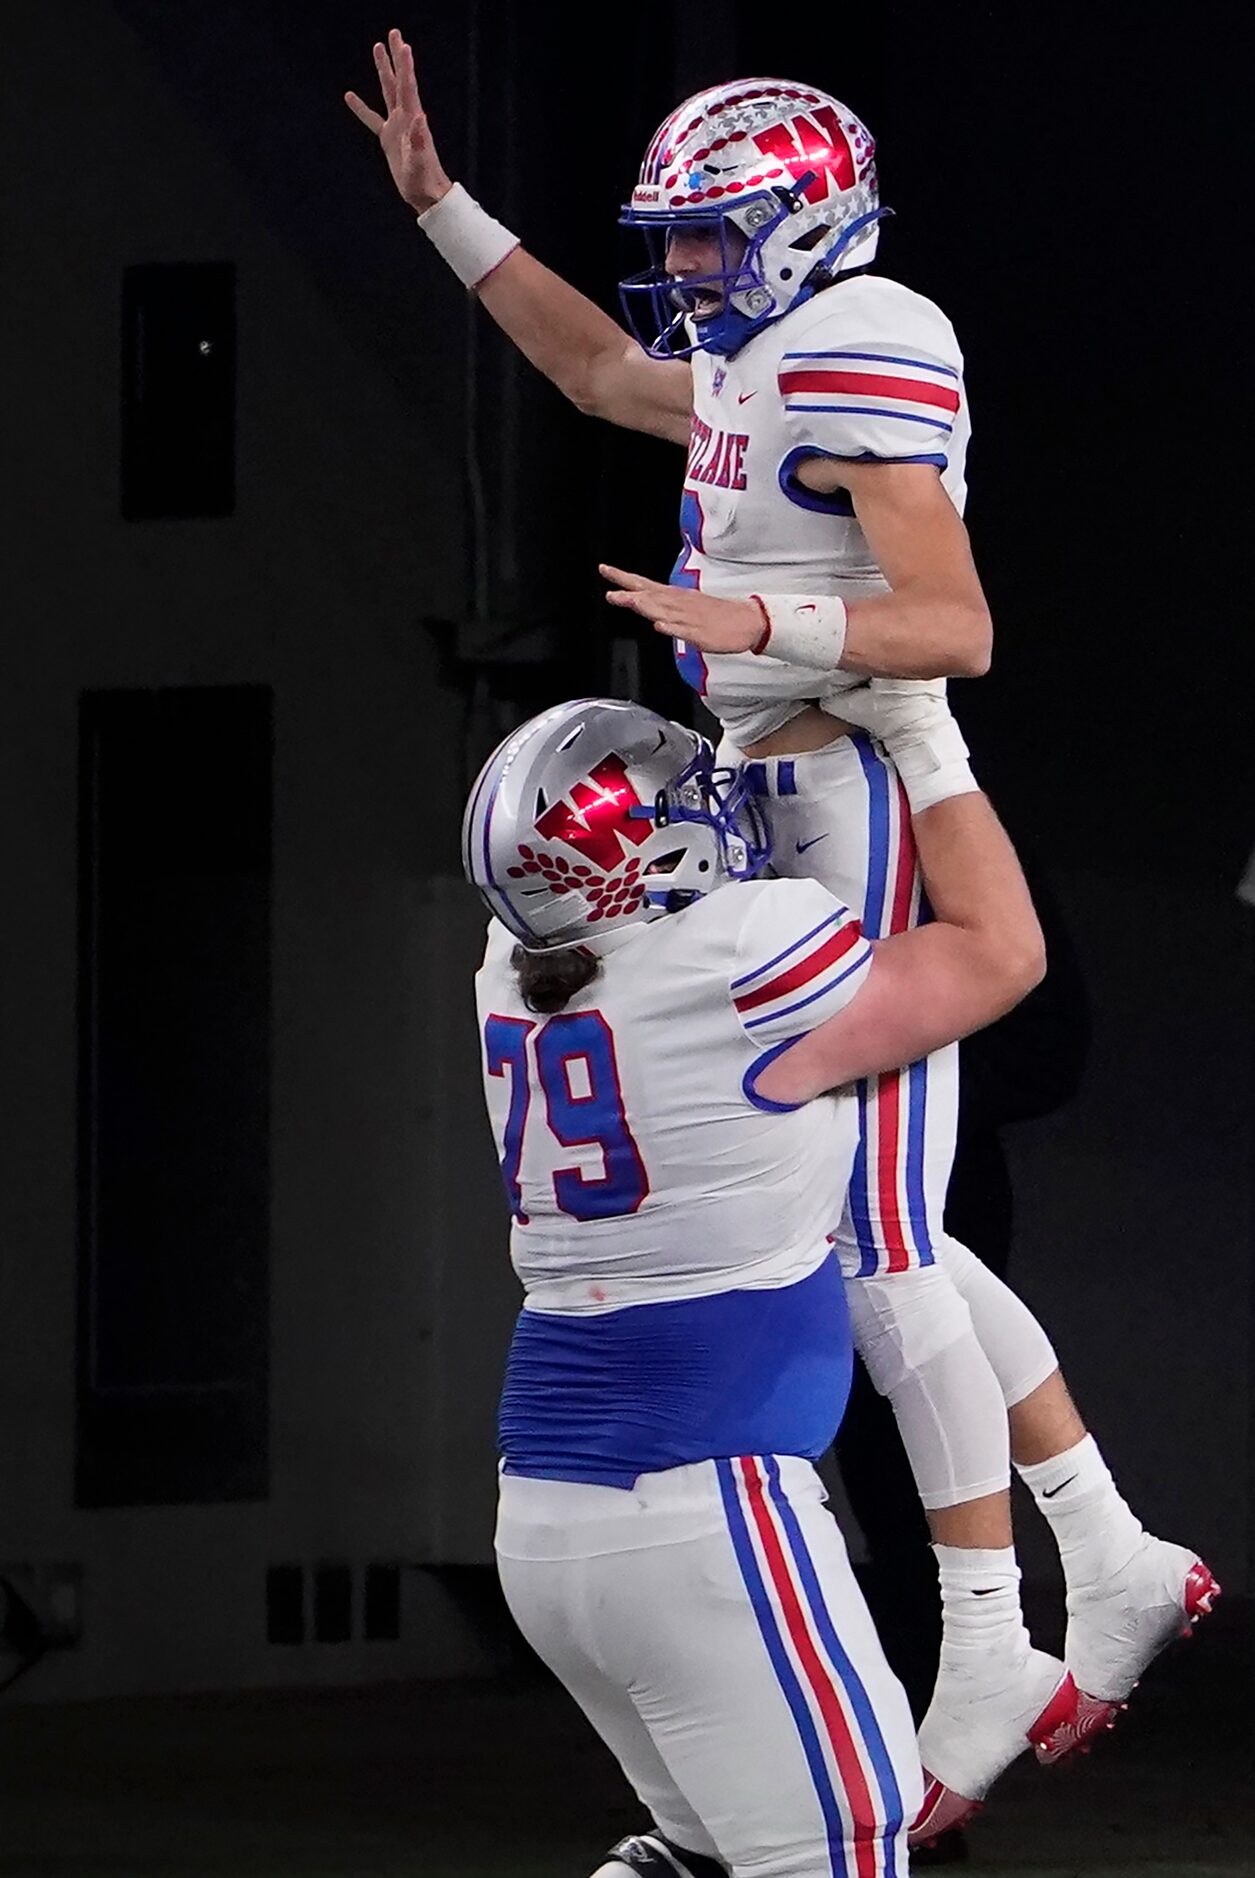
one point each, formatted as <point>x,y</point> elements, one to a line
<point>700,619</point>
<point>416,169</point>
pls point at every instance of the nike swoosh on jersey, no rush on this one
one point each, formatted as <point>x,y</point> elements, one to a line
<point>803,845</point>
<point>743,397</point>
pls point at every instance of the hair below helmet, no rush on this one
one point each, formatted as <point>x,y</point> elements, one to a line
<point>790,169</point>
<point>598,814</point>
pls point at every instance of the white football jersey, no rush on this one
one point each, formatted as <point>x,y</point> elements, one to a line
<point>639,1162</point>
<point>867,369</point>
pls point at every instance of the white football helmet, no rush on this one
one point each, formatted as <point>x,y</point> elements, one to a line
<point>790,169</point>
<point>598,814</point>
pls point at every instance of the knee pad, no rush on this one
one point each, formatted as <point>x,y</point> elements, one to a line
<point>902,1321</point>
<point>652,1856</point>
<point>1021,1353</point>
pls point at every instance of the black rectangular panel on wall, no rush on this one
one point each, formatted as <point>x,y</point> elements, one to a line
<point>178,390</point>
<point>175,797</point>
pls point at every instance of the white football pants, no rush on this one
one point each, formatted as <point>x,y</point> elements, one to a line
<point>946,1341</point>
<point>708,1624</point>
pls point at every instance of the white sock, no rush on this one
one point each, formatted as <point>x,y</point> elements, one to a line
<point>983,1634</point>
<point>1094,1529</point>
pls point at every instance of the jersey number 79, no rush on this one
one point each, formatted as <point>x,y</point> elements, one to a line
<point>593,1117</point>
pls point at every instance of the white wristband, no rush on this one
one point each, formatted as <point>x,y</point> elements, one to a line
<point>802,628</point>
<point>466,236</point>
<point>932,763</point>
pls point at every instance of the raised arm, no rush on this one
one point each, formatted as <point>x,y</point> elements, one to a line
<point>586,354</point>
<point>591,360</point>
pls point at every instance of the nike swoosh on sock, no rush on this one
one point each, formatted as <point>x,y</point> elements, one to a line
<point>1048,1493</point>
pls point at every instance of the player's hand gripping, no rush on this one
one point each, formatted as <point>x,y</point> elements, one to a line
<point>701,620</point>
<point>416,169</point>
<point>912,719</point>
<point>894,709</point>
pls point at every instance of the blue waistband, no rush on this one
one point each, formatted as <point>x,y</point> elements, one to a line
<point>771,777</point>
<point>605,1398</point>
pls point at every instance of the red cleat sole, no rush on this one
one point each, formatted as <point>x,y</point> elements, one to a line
<point>1069,1722</point>
<point>942,1811</point>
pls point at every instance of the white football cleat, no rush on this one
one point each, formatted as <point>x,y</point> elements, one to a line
<point>1115,1630</point>
<point>972,1733</point>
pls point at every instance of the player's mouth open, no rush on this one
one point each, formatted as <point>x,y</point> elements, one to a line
<point>702,302</point>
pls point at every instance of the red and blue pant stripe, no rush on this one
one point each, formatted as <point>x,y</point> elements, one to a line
<point>887,1202</point>
<point>845,1749</point>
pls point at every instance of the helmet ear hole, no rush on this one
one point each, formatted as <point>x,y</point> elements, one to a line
<point>811,238</point>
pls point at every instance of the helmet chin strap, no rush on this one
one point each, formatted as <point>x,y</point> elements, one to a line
<point>726,340</point>
<point>677,899</point>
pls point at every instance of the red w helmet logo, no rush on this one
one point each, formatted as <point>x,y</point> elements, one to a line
<point>595,821</point>
<point>811,141</point>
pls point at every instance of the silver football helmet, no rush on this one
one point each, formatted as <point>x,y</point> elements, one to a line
<point>598,814</point>
<point>787,176</point>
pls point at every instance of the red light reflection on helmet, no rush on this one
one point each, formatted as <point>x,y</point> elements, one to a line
<point>595,821</point>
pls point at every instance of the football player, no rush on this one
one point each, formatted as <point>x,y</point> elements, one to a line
<point>824,416</point>
<point>661,1032</point>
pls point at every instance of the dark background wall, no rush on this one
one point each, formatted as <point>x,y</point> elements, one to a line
<point>410,567</point>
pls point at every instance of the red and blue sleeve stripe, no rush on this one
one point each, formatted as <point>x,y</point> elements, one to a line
<point>871,384</point>
<point>809,969</point>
